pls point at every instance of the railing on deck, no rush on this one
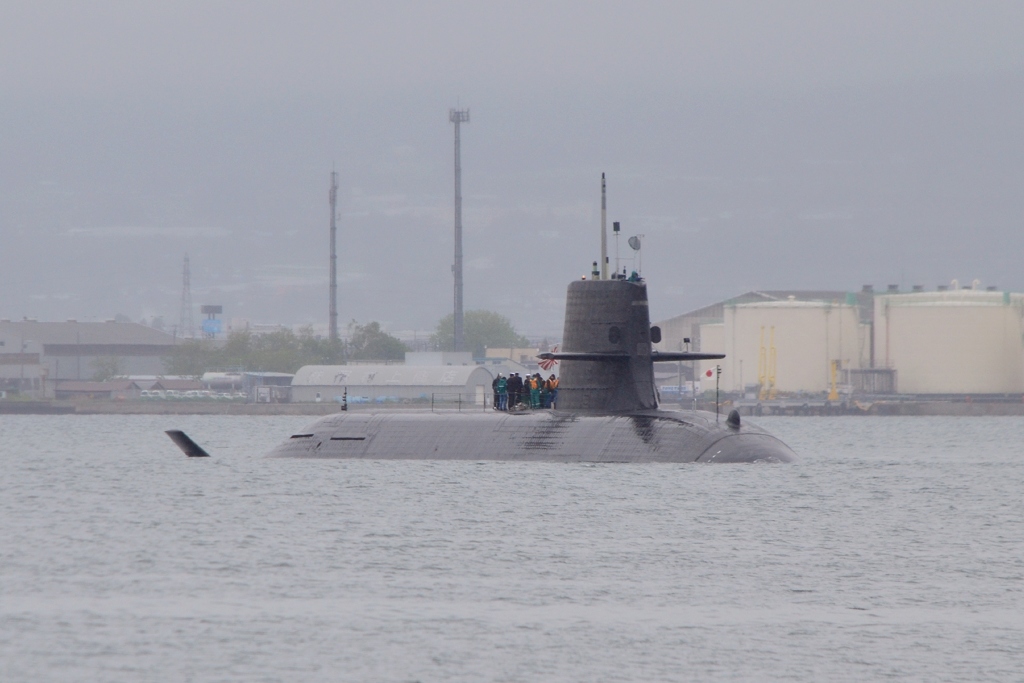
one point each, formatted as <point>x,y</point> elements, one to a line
<point>459,401</point>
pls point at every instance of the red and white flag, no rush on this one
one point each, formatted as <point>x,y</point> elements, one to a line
<point>549,363</point>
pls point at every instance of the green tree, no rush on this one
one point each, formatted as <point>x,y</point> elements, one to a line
<point>191,358</point>
<point>369,342</point>
<point>106,367</point>
<point>277,351</point>
<point>482,329</point>
<point>319,351</point>
<point>281,351</point>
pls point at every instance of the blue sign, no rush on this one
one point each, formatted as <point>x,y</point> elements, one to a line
<point>212,327</point>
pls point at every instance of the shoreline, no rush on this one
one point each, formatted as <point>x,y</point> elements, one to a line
<point>862,408</point>
<point>99,407</point>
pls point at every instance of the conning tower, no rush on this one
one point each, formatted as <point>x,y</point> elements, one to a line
<point>608,362</point>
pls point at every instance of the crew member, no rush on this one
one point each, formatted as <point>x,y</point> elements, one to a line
<point>502,393</point>
<point>535,390</point>
<point>552,385</point>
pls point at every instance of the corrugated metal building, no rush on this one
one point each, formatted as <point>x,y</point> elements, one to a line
<point>712,336</point>
<point>690,325</point>
<point>962,341</point>
<point>177,384</point>
<point>117,390</point>
<point>390,382</point>
<point>41,352</point>
<point>950,341</point>
<point>21,371</point>
<point>811,328</point>
<point>805,335</point>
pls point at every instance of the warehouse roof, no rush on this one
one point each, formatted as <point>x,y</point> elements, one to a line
<point>788,303</point>
<point>85,386</point>
<point>84,333</point>
<point>177,384</point>
<point>716,310</point>
<point>388,375</point>
<point>954,297</point>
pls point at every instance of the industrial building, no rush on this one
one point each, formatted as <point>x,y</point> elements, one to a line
<point>675,330</point>
<point>953,341</point>
<point>33,353</point>
<point>119,390</point>
<point>790,344</point>
<point>438,358</point>
<point>956,341</point>
<point>390,383</point>
<point>524,356</point>
<point>787,337</point>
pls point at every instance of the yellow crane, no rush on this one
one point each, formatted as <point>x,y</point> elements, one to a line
<point>762,370</point>
<point>833,394</point>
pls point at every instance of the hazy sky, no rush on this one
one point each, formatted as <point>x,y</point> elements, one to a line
<point>762,145</point>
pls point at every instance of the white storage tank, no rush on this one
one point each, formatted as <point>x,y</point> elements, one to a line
<point>962,341</point>
<point>808,336</point>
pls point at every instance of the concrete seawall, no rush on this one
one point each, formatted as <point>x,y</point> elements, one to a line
<point>858,408</point>
<point>885,407</point>
<point>99,407</point>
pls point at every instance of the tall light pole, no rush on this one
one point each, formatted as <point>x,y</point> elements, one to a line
<point>458,117</point>
<point>333,315</point>
<point>186,323</point>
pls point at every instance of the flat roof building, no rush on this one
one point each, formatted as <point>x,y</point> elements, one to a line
<point>118,390</point>
<point>958,341</point>
<point>36,352</point>
<point>390,382</point>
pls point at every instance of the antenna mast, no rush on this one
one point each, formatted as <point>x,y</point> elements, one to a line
<point>186,324</point>
<point>333,318</point>
<point>458,116</point>
<point>616,229</point>
<point>604,231</point>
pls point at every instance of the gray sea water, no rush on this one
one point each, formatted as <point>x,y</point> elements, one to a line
<point>894,549</point>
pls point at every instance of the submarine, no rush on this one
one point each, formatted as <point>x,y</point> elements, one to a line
<point>607,409</point>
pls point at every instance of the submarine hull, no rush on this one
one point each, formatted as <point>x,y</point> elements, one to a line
<point>550,435</point>
<point>607,406</point>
